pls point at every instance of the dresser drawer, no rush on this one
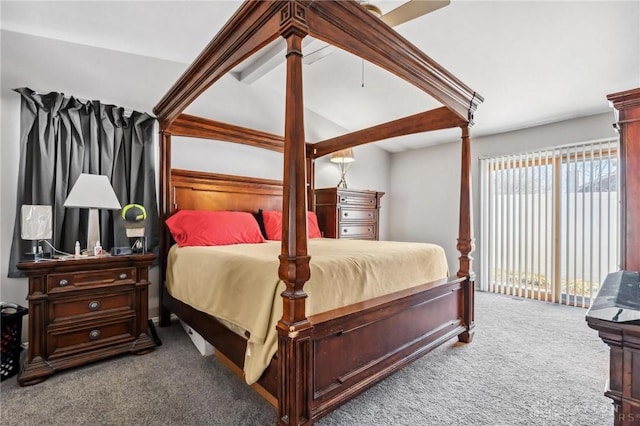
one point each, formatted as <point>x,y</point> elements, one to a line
<point>362,232</point>
<point>348,213</point>
<point>354,199</point>
<point>89,279</point>
<point>359,215</point>
<point>68,308</point>
<point>64,341</point>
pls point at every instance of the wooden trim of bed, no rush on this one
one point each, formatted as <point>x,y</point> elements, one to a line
<point>437,119</point>
<point>192,126</point>
<point>344,24</point>
<point>251,28</point>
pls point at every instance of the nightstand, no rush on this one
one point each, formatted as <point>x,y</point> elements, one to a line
<point>83,310</point>
<point>348,213</point>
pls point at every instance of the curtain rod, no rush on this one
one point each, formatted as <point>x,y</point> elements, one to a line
<point>127,111</point>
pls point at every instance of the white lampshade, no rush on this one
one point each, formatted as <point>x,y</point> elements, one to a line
<point>35,222</point>
<point>92,192</point>
<point>343,156</point>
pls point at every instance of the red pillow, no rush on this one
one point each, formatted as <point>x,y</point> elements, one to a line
<point>213,228</point>
<point>273,225</point>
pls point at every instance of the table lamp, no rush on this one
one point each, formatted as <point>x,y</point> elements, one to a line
<point>343,158</point>
<point>35,225</point>
<point>92,192</point>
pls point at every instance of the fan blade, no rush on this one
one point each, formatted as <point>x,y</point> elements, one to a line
<point>318,54</point>
<point>412,10</point>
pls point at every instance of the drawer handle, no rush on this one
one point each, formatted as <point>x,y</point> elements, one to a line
<point>345,214</point>
<point>369,230</point>
<point>371,201</point>
<point>94,334</point>
<point>123,276</point>
<point>94,305</point>
<point>63,283</point>
<point>343,199</point>
<point>344,230</point>
<point>370,214</point>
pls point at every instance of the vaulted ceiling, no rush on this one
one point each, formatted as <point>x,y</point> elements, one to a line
<point>533,61</point>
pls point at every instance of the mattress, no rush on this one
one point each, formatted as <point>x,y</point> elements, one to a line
<point>239,283</point>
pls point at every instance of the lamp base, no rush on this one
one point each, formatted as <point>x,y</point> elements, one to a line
<point>34,257</point>
<point>342,183</point>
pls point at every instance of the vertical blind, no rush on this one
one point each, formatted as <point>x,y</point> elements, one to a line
<point>549,222</point>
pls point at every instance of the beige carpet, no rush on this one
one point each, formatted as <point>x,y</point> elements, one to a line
<point>531,363</point>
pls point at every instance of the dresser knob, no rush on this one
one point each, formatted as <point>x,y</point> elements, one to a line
<point>94,334</point>
<point>123,276</point>
<point>369,230</point>
<point>94,305</point>
<point>371,201</point>
<point>344,230</point>
<point>345,214</point>
<point>63,283</point>
<point>343,199</point>
<point>370,214</point>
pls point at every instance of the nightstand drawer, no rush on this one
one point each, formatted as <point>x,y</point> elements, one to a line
<point>89,279</point>
<point>64,341</point>
<point>67,308</point>
<point>360,215</point>
<point>362,232</point>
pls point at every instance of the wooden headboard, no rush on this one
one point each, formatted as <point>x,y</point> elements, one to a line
<point>211,191</point>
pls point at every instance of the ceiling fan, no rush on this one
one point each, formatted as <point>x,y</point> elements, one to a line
<point>408,11</point>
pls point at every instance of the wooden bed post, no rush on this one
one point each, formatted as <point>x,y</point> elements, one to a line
<point>294,329</point>
<point>165,209</point>
<point>465,237</point>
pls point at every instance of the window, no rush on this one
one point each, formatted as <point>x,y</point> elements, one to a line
<point>550,222</point>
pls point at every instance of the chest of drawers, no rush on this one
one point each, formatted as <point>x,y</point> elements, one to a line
<point>348,213</point>
<point>83,310</point>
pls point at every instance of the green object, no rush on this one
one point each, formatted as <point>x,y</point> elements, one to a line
<point>134,213</point>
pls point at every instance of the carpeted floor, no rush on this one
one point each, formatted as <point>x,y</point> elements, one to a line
<point>531,363</point>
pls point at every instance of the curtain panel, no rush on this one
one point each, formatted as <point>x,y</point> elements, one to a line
<point>62,137</point>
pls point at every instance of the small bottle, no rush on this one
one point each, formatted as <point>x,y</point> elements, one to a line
<point>97,250</point>
<point>77,249</point>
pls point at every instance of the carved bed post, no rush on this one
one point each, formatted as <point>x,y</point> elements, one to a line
<point>465,236</point>
<point>165,208</point>
<point>294,329</point>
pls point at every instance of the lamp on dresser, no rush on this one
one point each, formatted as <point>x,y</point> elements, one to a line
<point>35,225</point>
<point>343,159</point>
<point>92,192</point>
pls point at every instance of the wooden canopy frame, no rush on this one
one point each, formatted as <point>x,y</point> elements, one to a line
<point>347,25</point>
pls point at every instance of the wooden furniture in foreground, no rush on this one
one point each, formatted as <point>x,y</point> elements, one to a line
<point>615,314</point>
<point>348,213</point>
<point>83,310</point>
<point>325,360</point>
<point>627,107</point>
<point>622,336</point>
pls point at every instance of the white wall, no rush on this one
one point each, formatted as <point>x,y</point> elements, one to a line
<point>138,82</point>
<point>425,183</point>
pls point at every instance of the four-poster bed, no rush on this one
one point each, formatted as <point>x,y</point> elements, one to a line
<point>325,359</point>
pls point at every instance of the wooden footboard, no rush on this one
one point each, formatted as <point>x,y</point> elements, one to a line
<point>354,347</point>
<point>357,346</point>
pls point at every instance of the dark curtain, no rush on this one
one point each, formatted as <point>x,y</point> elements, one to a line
<point>62,137</point>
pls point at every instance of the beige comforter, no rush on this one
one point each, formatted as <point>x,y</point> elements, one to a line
<point>239,283</point>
